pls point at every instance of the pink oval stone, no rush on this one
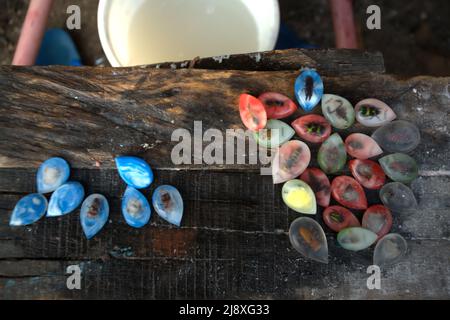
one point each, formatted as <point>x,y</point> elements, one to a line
<point>361,146</point>
<point>319,183</point>
<point>349,193</point>
<point>290,160</point>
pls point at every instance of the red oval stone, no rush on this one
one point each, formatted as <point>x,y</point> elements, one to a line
<point>378,219</point>
<point>277,106</point>
<point>349,193</point>
<point>319,183</point>
<point>252,111</point>
<point>312,128</point>
<point>338,218</point>
<point>368,173</point>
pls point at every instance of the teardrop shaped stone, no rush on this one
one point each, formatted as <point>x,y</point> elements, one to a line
<point>400,167</point>
<point>52,174</point>
<point>274,134</point>
<point>398,197</point>
<point>299,196</point>
<point>28,210</point>
<point>373,113</point>
<point>338,218</point>
<point>308,89</point>
<point>134,171</point>
<point>312,128</point>
<point>94,214</point>
<point>361,146</point>
<point>338,111</point>
<point>332,156</point>
<point>319,183</point>
<point>277,105</point>
<point>135,208</point>
<point>356,239</point>
<point>65,199</point>
<point>378,219</point>
<point>168,203</point>
<point>349,193</point>
<point>252,111</point>
<point>398,136</point>
<point>290,161</point>
<point>390,250</point>
<point>368,173</point>
<point>308,238</point>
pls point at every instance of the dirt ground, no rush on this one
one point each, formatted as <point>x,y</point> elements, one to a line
<point>414,35</point>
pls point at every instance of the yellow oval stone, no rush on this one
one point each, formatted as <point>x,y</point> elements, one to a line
<point>299,196</point>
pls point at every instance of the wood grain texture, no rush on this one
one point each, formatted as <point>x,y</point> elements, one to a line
<point>233,241</point>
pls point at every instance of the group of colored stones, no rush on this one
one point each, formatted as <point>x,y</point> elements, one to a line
<point>306,187</point>
<point>53,176</point>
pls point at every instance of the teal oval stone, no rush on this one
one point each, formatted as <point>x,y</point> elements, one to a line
<point>356,239</point>
<point>274,134</point>
<point>400,167</point>
<point>332,155</point>
<point>338,111</point>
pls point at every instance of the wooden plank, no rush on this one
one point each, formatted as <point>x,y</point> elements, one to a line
<point>233,244</point>
<point>91,115</point>
<point>330,62</point>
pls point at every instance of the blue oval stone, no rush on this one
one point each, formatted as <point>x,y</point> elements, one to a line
<point>52,174</point>
<point>28,210</point>
<point>93,214</point>
<point>135,208</point>
<point>65,199</point>
<point>168,203</point>
<point>308,89</point>
<point>134,171</point>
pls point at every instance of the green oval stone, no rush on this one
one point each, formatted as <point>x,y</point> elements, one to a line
<point>338,111</point>
<point>400,167</point>
<point>356,239</point>
<point>274,134</point>
<point>332,155</point>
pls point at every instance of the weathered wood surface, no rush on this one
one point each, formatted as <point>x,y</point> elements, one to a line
<point>233,242</point>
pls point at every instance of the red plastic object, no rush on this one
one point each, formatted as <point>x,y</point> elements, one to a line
<point>32,33</point>
<point>319,183</point>
<point>349,193</point>
<point>368,173</point>
<point>344,24</point>
<point>252,111</point>
<point>312,128</point>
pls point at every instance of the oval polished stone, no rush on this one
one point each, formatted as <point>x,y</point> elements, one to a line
<point>290,160</point>
<point>308,89</point>
<point>398,136</point>
<point>349,193</point>
<point>134,171</point>
<point>398,197</point>
<point>356,239</point>
<point>135,208</point>
<point>400,167</point>
<point>65,199</point>
<point>338,218</point>
<point>308,238</point>
<point>52,174</point>
<point>390,250</point>
<point>277,105</point>
<point>168,203</point>
<point>319,183</point>
<point>252,112</point>
<point>94,214</point>
<point>378,219</point>
<point>373,113</point>
<point>332,156</point>
<point>338,111</point>
<point>299,196</point>
<point>361,146</point>
<point>312,128</point>
<point>368,173</point>
<point>28,210</point>
<point>274,134</point>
